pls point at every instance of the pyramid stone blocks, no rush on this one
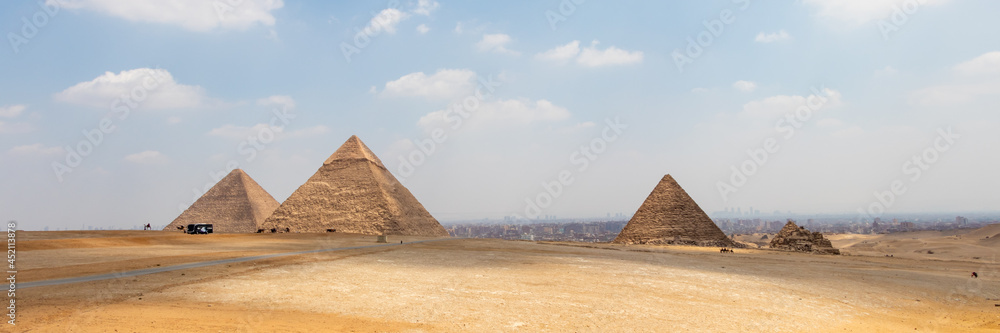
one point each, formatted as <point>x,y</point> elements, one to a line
<point>795,238</point>
<point>236,204</point>
<point>670,216</point>
<point>353,192</point>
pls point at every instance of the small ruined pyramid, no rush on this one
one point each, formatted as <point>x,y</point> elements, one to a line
<point>235,204</point>
<point>353,193</point>
<point>670,216</point>
<point>795,238</point>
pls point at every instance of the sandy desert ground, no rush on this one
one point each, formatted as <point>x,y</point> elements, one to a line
<point>463,285</point>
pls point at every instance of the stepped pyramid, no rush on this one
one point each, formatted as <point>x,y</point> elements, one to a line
<point>795,238</point>
<point>670,216</point>
<point>354,193</point>
<point>235,204</point>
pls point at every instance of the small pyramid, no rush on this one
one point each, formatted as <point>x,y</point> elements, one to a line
<point>235,204</point>
<point>353,192</point>
<point>670,216</point>
<point>795,238</point>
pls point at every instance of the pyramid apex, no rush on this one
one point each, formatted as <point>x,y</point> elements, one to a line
<point>354,149</point>
<point>237,172</point>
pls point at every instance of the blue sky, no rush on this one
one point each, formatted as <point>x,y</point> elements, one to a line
<point>869,84</point>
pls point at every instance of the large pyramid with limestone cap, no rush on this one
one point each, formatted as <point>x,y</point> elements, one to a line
<point>353,193</point>
<point>235,204</point>
<point>670,216</point>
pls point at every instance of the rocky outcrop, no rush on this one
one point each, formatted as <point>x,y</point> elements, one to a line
<point>670,216</point>
<point>795,238</point>
<point>235,204</point>
<point>353,192</point>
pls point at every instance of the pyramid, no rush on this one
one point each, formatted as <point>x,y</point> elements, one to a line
<point>353,192</point>
<point>795,238</point>
<point>235,204</point>
<point>670,216</point>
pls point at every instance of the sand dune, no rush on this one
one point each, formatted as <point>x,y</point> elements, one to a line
<point>977,245</point>
<point>466,285</point>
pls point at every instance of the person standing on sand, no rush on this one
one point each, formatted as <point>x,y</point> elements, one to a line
<point>974,275</point>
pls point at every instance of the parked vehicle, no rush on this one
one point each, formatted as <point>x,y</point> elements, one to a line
<point>199,228</point>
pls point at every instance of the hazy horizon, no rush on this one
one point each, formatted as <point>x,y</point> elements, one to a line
<point>123,114</point>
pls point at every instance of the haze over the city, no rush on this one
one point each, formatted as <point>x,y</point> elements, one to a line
<point>114,116</point>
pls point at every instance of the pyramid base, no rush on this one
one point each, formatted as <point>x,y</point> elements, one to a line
<point>689,242</point>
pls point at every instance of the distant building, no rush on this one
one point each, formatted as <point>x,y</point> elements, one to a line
<point>961,221</point>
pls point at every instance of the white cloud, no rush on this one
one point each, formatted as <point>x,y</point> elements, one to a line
<point>174,120</point>
<point>272,35</point>
<point>950,94</point>
<point>445,84</point>
<point>146,157</point>
<point>386,20</point>
<point>423,29</point>
<point>425,7</point>
<point>975,78</point>
<point>284,101</point>
<point>775,106</point>
<point>37,149</point>
<point>985,64</point>
<point>12,111</point>
<point>519,112</point>
<point>158,86</point>
<point>887,71</point>
<point>861,11</point>
<point>746,86</point>
<point>195,15</point>
<point>496,43</point>
<point>561,53</point>
<point>590,56</point>
<point>772,37</point>
<point>471,27</point>
<point>593,57</point>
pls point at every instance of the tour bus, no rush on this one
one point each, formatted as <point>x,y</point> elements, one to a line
<point>199,228</point>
